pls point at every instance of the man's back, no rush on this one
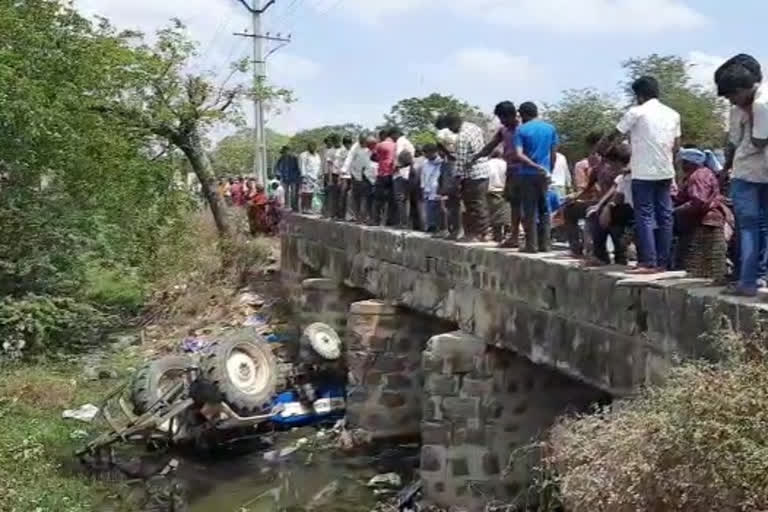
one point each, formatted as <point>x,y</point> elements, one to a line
<point>537,138</point>
<point>653,129</point>
<point>385,150</point>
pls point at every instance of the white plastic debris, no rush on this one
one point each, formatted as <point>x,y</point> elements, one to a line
<point>86,413</point>
<point>390,480</point>
<point>251,299</point>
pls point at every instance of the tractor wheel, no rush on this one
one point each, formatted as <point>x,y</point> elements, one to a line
<point>324,341</point>
<point>245,372</point>
<point>156,378</point>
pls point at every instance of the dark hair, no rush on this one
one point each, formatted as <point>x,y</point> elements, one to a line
<point>334,139</point>
<point>734,77</point>
<point>430,147</point>
<point>285,148</point>
<point>620,153</point>
<point>395,132</point>
<point>441,122</point>
<point>593,138</point>
<point>744,60</point>
<point>451,119</point>
<point>505,109</point>
<point>347,140</point>
<point>646,87</point>
<point>529,110</point>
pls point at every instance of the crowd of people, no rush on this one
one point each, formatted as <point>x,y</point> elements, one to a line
<point>636,186</point>
<point>263,205</point>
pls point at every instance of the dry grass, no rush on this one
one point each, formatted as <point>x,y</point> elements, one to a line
<point>44,391</point>
<point>699,443</point>
<point>198,277</point>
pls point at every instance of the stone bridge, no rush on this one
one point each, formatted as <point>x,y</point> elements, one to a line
<point>478,350</point>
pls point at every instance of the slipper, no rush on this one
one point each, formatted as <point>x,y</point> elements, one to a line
<point>645,271</point>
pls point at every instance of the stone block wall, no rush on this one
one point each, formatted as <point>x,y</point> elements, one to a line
<point>327,301</point>
<point>483,409</point>
<point>383,353</point>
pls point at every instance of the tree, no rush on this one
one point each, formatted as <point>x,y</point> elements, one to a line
<point>317,135</point>
<point>580,112</point>
<point>416,116</point>
<point>233,155</point>
<point>179,107</point>
<point>702,112</point>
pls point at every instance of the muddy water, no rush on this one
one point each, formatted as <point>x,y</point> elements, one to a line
<point>317,479</point>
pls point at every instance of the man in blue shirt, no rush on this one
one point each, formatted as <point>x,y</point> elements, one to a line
<point>537,140</point>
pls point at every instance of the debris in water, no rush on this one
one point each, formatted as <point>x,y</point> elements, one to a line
<point>302,441</point>
<point>288,450</point>
<point>324,496</point>
<point>86,413</point>
<point>386,480</point>
<point>255,321</point>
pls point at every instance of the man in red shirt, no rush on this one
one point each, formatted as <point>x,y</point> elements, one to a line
<point>385,152</point>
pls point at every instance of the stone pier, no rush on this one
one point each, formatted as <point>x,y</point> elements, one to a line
<point>327,301</point>
<point>383,350</point>
<point>484,409</point>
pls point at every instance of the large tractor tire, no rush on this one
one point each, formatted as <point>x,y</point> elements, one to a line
<point>324,341</point>
<point>156,378</point>
<point>244,370</point>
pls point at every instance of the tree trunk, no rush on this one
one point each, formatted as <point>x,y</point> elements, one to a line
<point>201,164</point>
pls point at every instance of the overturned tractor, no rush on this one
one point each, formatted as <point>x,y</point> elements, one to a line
<point>234,388</point>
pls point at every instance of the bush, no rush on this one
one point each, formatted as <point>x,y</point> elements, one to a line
<point>33,323</point>
<point>120,287</point>
<point>699,443</point>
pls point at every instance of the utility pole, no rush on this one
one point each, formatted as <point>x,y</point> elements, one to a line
<point>259,82</point>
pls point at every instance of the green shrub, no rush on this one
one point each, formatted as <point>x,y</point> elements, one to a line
<point>698,443</point>
<point>119,287</point>
<point>32,323</point>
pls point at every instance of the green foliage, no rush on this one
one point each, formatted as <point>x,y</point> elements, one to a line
<point>702,112</point>
<point>118,287</point>
<point>316,135</point>
<point>577,114</point>
<point>33,322</point>
<point>698,443</point>
<point>78,186</point>
<point>416,116</point>
<point>233,155</point>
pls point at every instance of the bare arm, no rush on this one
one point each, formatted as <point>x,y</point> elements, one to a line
<point>730,152</point>
<point>521,157</point>
<point>497,139</point>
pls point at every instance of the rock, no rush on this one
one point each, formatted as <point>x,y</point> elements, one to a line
<point>386,480</point>
<point>251,299</point>
<point>106,374</point>
<point>85,413</point>
<point>90,373</point>
<point>302,441</point>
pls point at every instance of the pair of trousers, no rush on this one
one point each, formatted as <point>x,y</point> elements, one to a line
<point>750,206</point>
<point>382,199</point>
<point>416,208</point>
<point>435,215</point>
<point>474,194</point>
<point>292,195</point>
<point>340,202</point>
<point>514,196</point>
<point>572,214</point>
<point>622,217</point>
<point>535,212</point>
<point>653,222</point>
<point>400,190</point>
<point>360,199</point>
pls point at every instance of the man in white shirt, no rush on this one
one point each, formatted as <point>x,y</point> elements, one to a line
<point>561,176</point>
<point>404,155</point>
<point>739,80</point>
<point>356,162</point>
<point>310,167</point>
<point>340,178</point>
<point>498,207</point>
<point>654,131</point>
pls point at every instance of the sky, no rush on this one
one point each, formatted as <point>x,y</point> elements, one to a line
<point>351,60</point>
